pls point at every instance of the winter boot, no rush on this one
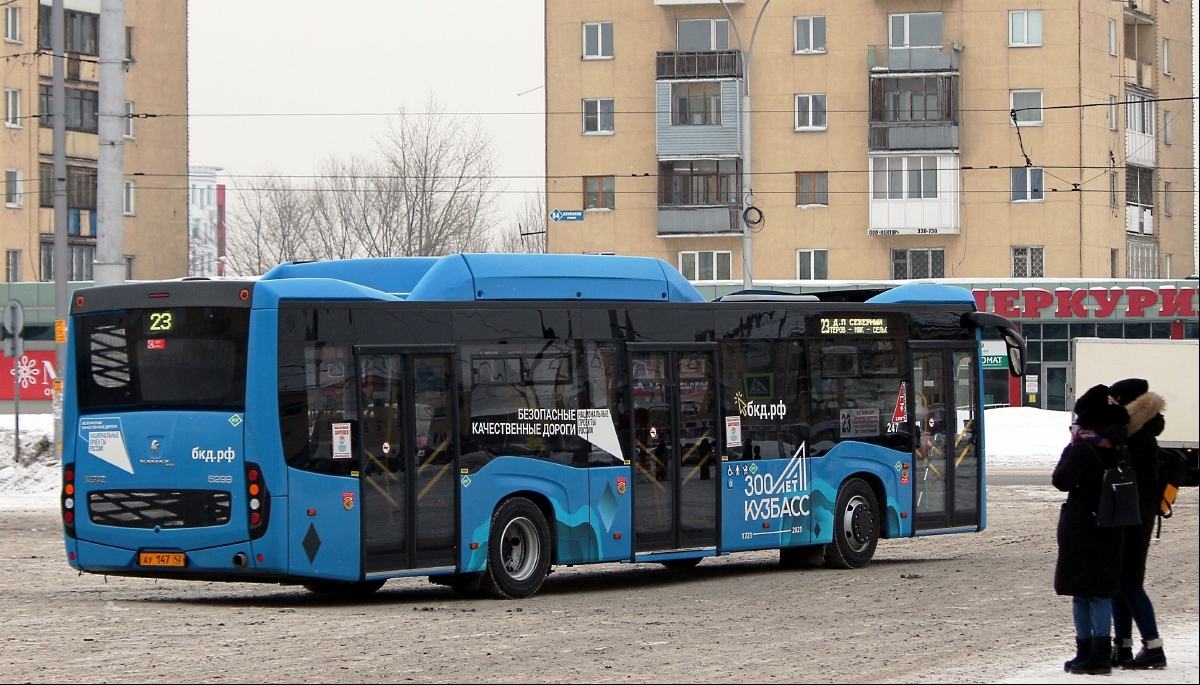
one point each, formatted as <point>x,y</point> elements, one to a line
<point>1150,657</point>
<point>1122,651</point>
<point>1083,649</point>
<point>1100,660</point>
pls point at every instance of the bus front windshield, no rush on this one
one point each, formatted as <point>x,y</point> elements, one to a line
<point>182,357</point>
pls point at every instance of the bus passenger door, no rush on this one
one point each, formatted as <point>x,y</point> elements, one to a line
<point>946,470</point>
<point>408,457</point>
<point>677,448</point>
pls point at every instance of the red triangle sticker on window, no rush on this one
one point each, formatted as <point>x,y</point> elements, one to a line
<point>900,414</point>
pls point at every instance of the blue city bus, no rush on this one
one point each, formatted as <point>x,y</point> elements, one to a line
<point>479,419</point>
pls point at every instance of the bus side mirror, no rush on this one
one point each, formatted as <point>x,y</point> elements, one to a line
<point>1017,351</point>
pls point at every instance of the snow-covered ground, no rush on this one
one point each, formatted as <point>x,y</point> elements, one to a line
<point>1181,644</point>
<point>1024,437</point>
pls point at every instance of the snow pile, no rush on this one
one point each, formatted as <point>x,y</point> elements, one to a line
<point>37,470</point>
<point>1025,437</point>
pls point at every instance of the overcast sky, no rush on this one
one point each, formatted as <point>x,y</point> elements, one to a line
<point>355,56</point>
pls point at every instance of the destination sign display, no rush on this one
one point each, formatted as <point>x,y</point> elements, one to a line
<point>854,326</point>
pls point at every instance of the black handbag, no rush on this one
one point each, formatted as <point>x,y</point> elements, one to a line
<point>1119,496</point>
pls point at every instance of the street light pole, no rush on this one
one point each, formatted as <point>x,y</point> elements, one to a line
<point>747,231</point>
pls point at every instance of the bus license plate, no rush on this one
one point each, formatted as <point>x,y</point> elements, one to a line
<point>173,559</point>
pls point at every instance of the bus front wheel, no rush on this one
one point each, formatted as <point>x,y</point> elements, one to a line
<point>333,588</point>
<point>855,526</point>
<point>518,550</point>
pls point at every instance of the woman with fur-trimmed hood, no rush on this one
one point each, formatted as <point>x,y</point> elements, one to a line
<point>1146,423</point>
<point>1089,556</point>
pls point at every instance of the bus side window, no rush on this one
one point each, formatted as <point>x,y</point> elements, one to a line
<point>856,385</point>
<point>317,388</point>
<point>764,385</point>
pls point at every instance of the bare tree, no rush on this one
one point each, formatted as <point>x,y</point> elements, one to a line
<point>271,223</point>
<point>526,231</point>
<point>444,169</point>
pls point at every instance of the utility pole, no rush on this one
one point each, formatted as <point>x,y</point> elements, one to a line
<point>110,172</point>
<point>747,227</point>
<point>62,260</point>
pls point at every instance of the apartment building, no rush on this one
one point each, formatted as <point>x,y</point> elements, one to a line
<point>206,222</point>
<point>155,186</point>
<point>889,139</point>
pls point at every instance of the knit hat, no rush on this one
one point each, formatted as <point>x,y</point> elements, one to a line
<point>1128,390</point>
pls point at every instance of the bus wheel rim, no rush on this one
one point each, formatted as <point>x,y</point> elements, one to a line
<point>520,549</point>
<point>858,523</point>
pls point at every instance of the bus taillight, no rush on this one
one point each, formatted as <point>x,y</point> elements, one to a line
<point>258,501</point>
<point>68,500</point>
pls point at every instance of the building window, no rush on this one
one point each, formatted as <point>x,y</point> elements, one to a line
<point>698,182</point>
<point>812,188</point>
<point>598,40</point>
<point>81,31</point>
<point>1112,189</point>
<point>1168,127</point>
<point>82,255</point>
<point>919,98</point>
<point>1143,259</point>
<point>127,206</point>
<point>12,188</point>
<point>1167,198</point>
<point>1167,56</point>
<point>81,187</point>
<point>1027,184</point>
<point>1112,37</point>
<point>1112,112</point>
<point>128,119</point>
<point>12,24</point>
<point>897,178</point>
<point>696,103</point>
<point>812,264</point>
<point>1024,28</point>
<point>1139,186</point>
<point>1114,258</point>
<point>1026,106</point>
<point>598,116</point>
<point>703,35</point>
<point>598,192</point>
<point>811,112</point>
<point>1028,262</point>
<point>925,263</point>
<point>922,29</point>
<point>706,265</point>
<point>12,266</point>
<point>810,35</point>
<point>1139,113</point>
<point>82,109</point>
<point>129,267</point>
<point>12,108</point>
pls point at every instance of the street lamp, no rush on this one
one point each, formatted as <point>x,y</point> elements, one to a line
<point>747,232</point>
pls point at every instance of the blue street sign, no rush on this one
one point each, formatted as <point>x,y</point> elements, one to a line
<point>557,215</point>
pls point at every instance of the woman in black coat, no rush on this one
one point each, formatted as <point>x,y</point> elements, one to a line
<point>1132,603</point>
<point>1089,557</point>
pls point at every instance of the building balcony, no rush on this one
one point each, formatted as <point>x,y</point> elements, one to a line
<point>1139,220</point>
<point>676,134</point>
<point>1139,148</point>
<point>1140,74</point>
<point>913,58</point>
<point>911,135</point>
<point>691,65</point>
<point>677,221</point>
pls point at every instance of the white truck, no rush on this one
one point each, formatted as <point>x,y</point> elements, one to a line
<point>1171,366</point>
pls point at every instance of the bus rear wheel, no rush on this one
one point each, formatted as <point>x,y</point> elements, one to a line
<point>855,526</point>
<point>518,550</point>
<point>333,588</point>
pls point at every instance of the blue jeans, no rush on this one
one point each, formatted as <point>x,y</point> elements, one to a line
<point>1093,616</point>
<point>1133,605</point>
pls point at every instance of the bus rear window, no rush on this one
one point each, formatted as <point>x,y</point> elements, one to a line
<point>170,357</point>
